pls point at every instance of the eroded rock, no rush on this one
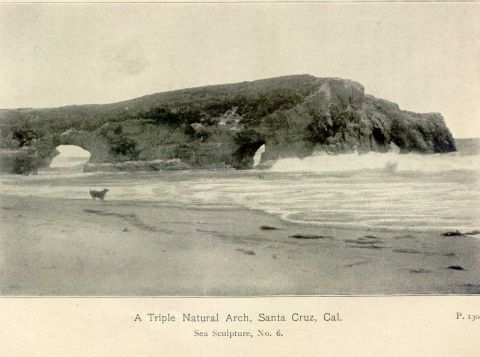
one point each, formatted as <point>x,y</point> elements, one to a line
<point>221,126</point>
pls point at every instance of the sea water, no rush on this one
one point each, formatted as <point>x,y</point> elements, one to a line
<point>379,191</point>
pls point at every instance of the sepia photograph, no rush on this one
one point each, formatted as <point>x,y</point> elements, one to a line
<point>239,149</point>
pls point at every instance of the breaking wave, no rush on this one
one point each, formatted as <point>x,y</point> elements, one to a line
<point>368,191</point>
<point>389,161</point>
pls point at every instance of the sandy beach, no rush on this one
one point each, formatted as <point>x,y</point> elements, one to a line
<point>78,247</point>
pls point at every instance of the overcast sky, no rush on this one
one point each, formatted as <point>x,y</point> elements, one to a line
<point>424,56</point>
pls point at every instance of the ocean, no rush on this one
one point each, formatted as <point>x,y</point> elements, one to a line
<point>373,191</point>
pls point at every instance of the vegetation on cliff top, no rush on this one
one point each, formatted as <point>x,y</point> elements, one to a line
<point>224,125</point>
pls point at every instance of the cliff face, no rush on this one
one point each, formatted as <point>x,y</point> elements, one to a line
<point>222,126</point>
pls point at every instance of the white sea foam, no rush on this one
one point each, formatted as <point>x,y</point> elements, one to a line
<point>389,161</point>
<point>372,191</point>
<point>258,155</point>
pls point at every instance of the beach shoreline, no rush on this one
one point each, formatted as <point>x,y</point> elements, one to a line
<point>75,247</point>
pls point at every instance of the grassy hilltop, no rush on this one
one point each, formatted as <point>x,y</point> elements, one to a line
<point>221,126</point>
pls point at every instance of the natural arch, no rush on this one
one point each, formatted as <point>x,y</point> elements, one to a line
<point>243,157</point>
<point>70,156</point>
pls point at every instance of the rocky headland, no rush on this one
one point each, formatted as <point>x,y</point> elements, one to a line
<point>220,126</point>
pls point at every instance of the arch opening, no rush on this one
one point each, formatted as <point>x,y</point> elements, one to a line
<point>70,157</point>
<point>258,155</point>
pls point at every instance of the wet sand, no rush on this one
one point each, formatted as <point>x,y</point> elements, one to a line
<point>132,248</point>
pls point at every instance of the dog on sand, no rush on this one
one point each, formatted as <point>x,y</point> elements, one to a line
<point>98,194</point>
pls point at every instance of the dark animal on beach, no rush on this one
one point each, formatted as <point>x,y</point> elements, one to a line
<point>98,194</point>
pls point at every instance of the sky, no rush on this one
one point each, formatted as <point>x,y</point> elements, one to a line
<point>423,56</point>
